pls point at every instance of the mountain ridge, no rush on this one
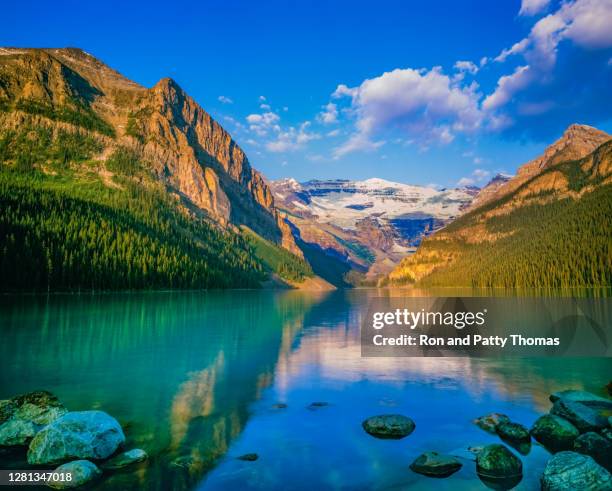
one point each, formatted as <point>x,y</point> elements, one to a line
<point>73,130</point>
<point>544,227</point>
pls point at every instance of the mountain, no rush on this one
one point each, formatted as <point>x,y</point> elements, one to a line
<point>549,226</point>
<point>371,224</point>
<point>72,128</point>
<point>489,191</point>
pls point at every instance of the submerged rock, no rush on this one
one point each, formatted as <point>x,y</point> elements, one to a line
<point>318,404</point>
<point>554,432</point>
<point>389,426</point>
<point>17,432</point>
<point>496,461</point>
<point>435,465</point>
<point>582,417</point>
<point>582,397</point>
<point>489,422</point>
<point>250,457</point>
<point>76,435</point>
<point>125,459</point>
<point>571,471</point>
<point>81,472</point>
<point>595,446</point>
<point>513,432</point>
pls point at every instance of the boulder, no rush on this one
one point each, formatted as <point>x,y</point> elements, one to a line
<point>389,426</point>
<point>571,471</point>
<point>249,457</point>
<point>582,397</point>
<point>490,421</point>
<point>554,432</point>
<point>595,446</point>
<point>513,432</point>
<point>81,472</point>
<point>125,459</point>
<point>17,432</point>
<point>435,465</point>
<point>7,408</point>
<point>40,407</point>
<point>582,417</point>
<point>76,435</point>
<point>497,461</point>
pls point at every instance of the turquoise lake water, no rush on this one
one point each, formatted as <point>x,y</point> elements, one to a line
<point>194,378</point>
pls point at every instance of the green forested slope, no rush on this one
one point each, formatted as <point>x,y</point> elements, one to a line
<point>565,243</point>
<point>554,231</point>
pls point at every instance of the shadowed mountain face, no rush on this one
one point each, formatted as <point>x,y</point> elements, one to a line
<point>549,226</point>
<point>188,151</point>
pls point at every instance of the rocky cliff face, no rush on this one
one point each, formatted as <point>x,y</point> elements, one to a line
<point>576,142</point>
<point>183,146</point>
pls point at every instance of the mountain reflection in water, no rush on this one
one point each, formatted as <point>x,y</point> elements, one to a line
<point>193,378</point>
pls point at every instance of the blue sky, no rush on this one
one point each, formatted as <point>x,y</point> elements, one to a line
<point>436,92</point>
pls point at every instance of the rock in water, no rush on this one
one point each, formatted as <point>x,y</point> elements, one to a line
<point>126,458</point>
<point>23,416</point>
<point>435,465</point>
<point>554,432</point>
<point>513,432</point>
<point>76,435</point>
<point>582,417</point>
<point>571,471</point>
<point>249,457</point>
<point>7,408</point>
<point>582,397</point>
<point>595,446</point>
<point>40,407</point>
<point>389,426</point>
<point>80,471</point>
<point>496,461</point>
<point>490,421</point>
<point>17,432</point>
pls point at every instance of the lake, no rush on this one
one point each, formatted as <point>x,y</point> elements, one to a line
<point>195,378</point>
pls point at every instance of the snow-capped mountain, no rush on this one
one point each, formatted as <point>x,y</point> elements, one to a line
<point>386,218</point>
<point>344,203</point>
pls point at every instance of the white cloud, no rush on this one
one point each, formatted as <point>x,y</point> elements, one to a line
<point>292,138</point>
<point>333,133</point>
<point>481,174</point>
<point>516,48</point>
<point>225,100</point>
<point>466,181</point>
<point>466,66</point>
<point>584,22</point>
<point>343,91</point>
<point>478,176</point>
<point>329,114</point>
<point>263,123</point>
<point>532,7</point>
<point>262,98</point>
<point>357,142</point>
<point>426,104</point>
<point>507,86</point>
<point>265,107</point>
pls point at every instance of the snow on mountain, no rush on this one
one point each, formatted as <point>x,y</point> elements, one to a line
<point>344,203</point>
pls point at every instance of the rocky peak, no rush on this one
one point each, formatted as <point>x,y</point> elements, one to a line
<point>577,141</point>
<point>184,146</point>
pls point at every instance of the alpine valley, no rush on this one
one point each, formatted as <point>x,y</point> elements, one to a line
<point>109,185</point>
